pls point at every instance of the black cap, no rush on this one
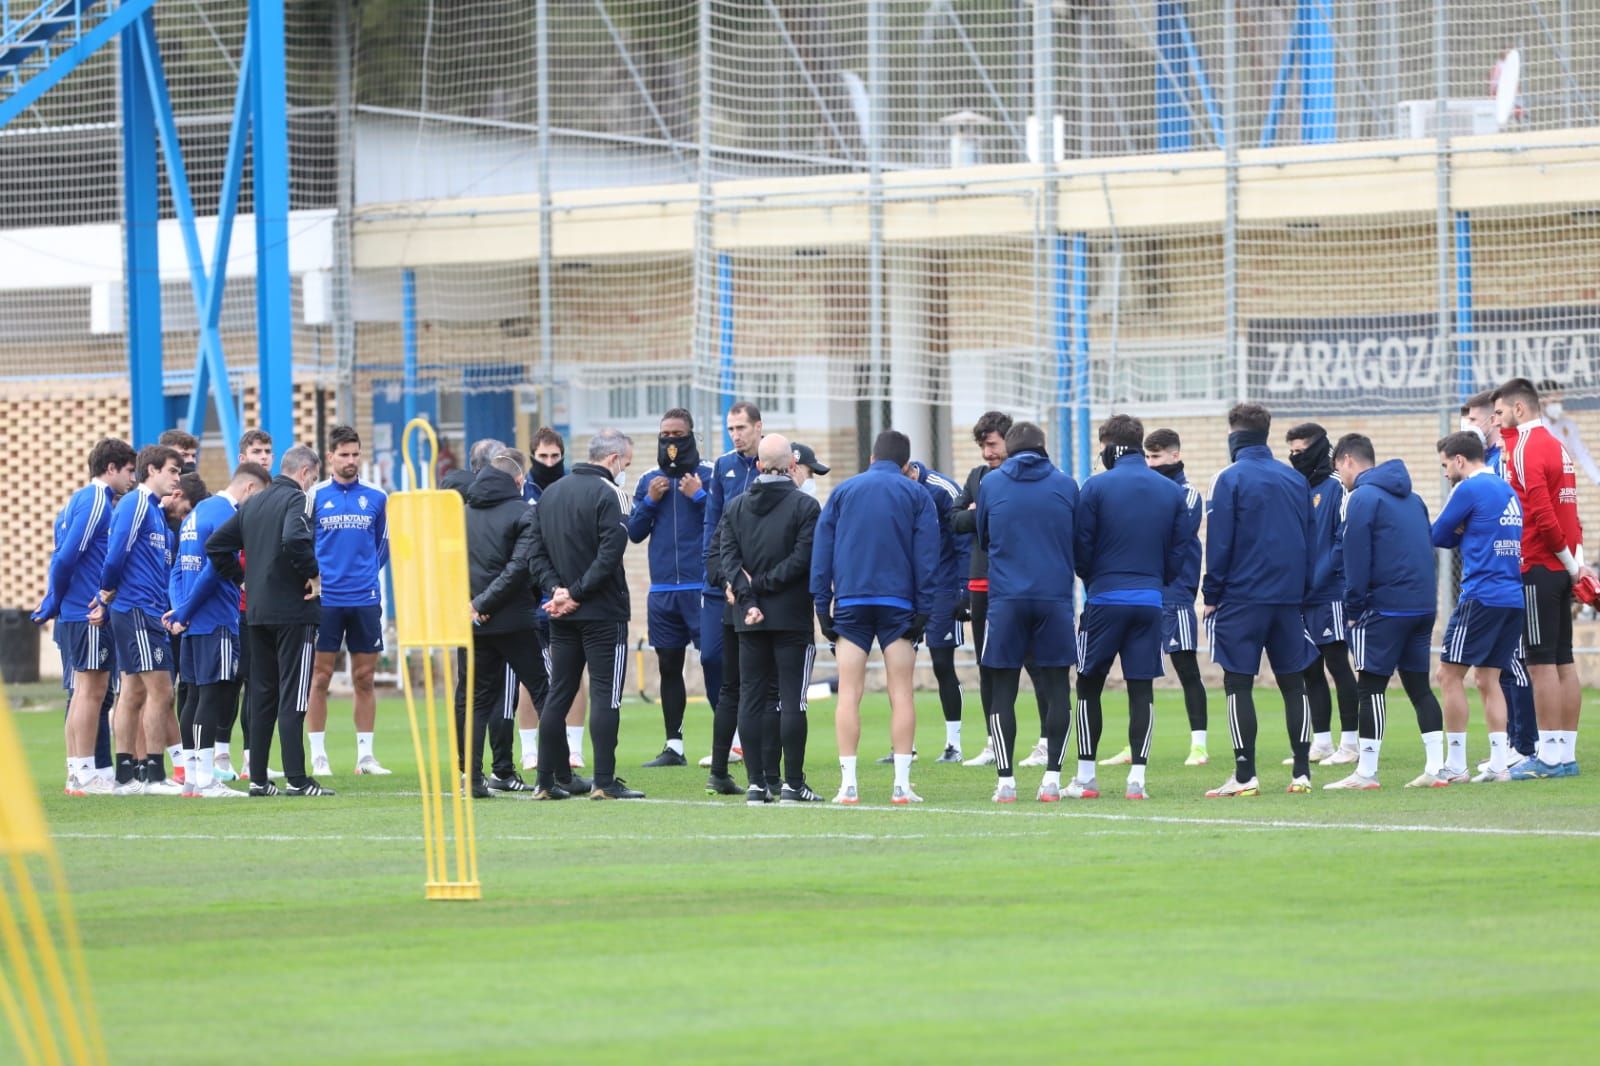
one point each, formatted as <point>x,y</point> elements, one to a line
<point>808,458</point>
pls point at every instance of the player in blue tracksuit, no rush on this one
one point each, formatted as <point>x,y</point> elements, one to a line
<point>1258,568</point>
<point>1522,728</point>
<point>1025,517</point>
<point>1131,530</point>
<point>669,509</point>
<point>1312,455</point>
<point>874,576</point>
<point>205,610</point>
<point>87,662</point>
<point>133,585</point>
<point>1390,600</point>
<point>1484,518</point>
<point>351,521</point>
<point>732,473</point>
<point>1163,451</point>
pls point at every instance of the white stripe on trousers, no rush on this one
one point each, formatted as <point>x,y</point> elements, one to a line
<point>303,694</point>
<point>1002,757</point>
<point>508,697</point>
<point>620,660</point>
<point>805,675</point>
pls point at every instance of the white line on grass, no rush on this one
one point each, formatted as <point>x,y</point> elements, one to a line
<point>1224,823</point>
<point>547,838</point>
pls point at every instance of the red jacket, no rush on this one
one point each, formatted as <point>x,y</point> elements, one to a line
<point>1540,470</point>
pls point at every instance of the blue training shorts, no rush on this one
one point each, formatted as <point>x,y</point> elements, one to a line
<point>1038,631</point>
<point>143,644</point>
<point>84,647</point>
<point>1325,623</point>
<point>862,622</point>
<point>674,618</point>
<point>1180,629</point>
<point>209,658</point>
<point>1240,632</point>
<point>944,630</point>
<point>1477,635</point>
<point>359,629</point>
<point>1130,632</point>
<point>1380,644</point>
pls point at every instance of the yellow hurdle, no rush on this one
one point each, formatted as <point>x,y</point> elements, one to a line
<point>432,603</point>
<point>46,1002</point>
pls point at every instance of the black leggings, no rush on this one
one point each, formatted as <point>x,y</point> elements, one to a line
<point>1375,703</point>
<point>1333,661</point>
<point>944,671</point>
<point>200,731</point>
<point>1056,687</point>
<point>674,694</point>
<point>1240,689</point>
<point>1187,667</point>
<point>980,628</point>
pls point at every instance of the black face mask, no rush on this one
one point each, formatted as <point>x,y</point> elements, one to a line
<point>1314,461</point>
<point>1170,470</point>
<point>677,456</point>
<point>1241,439</point>
<point>1111,453</point>
<point>545,476</point>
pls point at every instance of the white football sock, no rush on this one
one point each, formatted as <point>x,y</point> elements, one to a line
<point>1432,752</point>
<point>319,745</point>
<point>1566,738</point>
<point>1322,740</point>
<point>676,744</point>
<point>1136,774</point>
<point>1549,749</point>
<point>1456,752</point>
<point>1349,739</point>
<point>206,767</point>
<point>952,735</point>
<point>1497,752</point>
<point>1086,770</point>
<point>174,754</point>
<point>1572,745</point>
<point>363,746</point>
<point>80,768</point>
<point>530,740</point>
<point>190,763</point>
<point>1197,737</point>
<point>1367,759</point>
<point>847,771</point>
<point>1051,777</point>
<point>737,745</point>
<point>1011,782</point>
<point>107,772</point>
<point>1043,744</point>
<point>575,739</point>
<point>222,750</point>
<point>902,771</point>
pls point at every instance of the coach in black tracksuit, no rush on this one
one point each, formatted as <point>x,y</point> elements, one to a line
<point>765,549</point>
<point>504,643</point>
<point>274,531</point>
<point>579,534</point>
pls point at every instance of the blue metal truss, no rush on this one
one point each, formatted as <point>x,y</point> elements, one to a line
<point>1309,49</point>
<point>38,50</point>
<point>1178,61</point>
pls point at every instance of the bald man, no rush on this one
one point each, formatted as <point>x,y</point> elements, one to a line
<point>765,549</point>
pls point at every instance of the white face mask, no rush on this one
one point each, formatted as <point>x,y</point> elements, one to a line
<point>621,478</point>
<point>810,487</point>
<point>1553,409</point>
<point>1469,426</point>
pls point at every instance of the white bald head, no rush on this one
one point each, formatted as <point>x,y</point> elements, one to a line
<point>775,455</point>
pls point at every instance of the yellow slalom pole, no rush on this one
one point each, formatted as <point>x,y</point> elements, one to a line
<point>428,559</point>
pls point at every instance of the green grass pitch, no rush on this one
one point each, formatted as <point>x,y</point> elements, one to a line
<point>1398,926</point>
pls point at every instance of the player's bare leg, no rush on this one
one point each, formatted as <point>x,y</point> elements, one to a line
<point>575,719</point>
<point>317,711</point>
<point>899,660</point>
<point>852,662</point>
<point>363,669</point>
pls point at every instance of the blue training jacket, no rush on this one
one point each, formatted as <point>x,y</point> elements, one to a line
<point>877,542</point>
<point>676,528</point>
<point>1258,536</point>
<point>1327,524</point>
<point>352,526</point>
<point>1130,532</point>
<point>138,554</point>
<point>203,599</point>
<point>1388,546</point>
<point>1182,591</point>
<point>955,549</point>
<point>1484,517</point>
<point>1026,514</point>
<point>731,474</point>
<point>79,555</point>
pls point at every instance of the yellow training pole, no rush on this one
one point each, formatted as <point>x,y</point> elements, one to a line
<point>432,607</point>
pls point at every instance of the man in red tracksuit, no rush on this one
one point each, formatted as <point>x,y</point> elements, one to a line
<point>1540,471</point>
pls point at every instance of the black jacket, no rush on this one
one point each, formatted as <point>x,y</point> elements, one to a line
<point>580,530</point>
<point>765,551</point>
<point>273,529</point>
<point>499,545</point>
<point>458,480</point>
<point>963,519</point>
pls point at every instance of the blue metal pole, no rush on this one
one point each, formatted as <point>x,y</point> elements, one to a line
<point>1197,68</point>
<point>1173,133</point>
<point>408,341</point>
<point>274,312</point>
<point>211,363</point>
<point>725,382</point>
<point>1080,353</point>
<point>1280,83</point>
<point>1465,347</point>
<point>142,262</point>
<point>1061,343</point>
<point>113,25</point>
<point>1319,121</point>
